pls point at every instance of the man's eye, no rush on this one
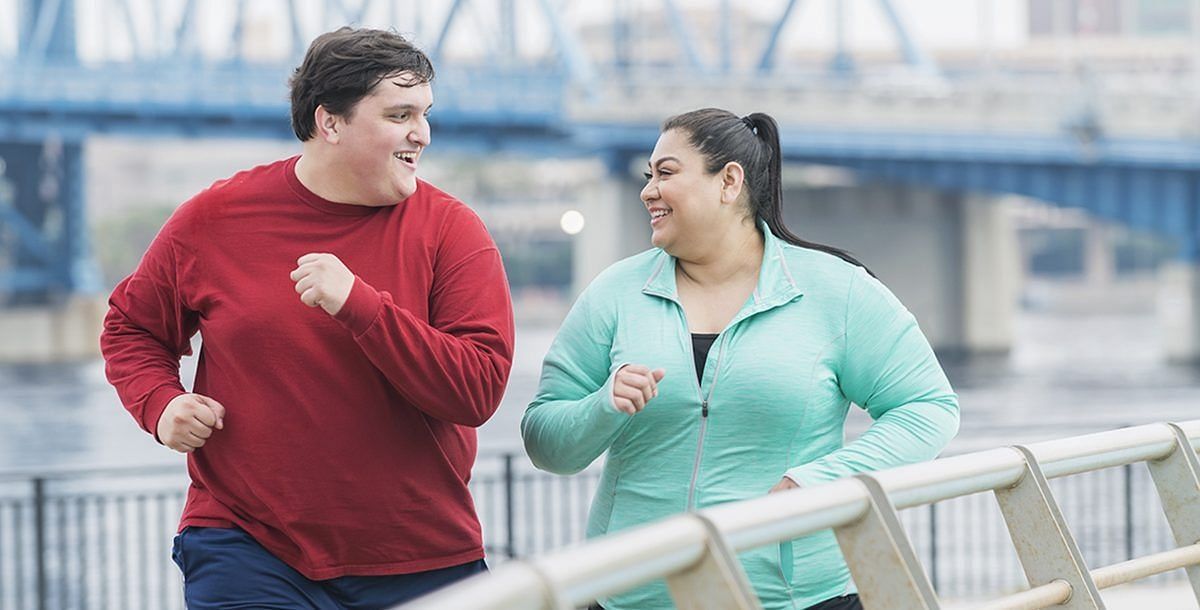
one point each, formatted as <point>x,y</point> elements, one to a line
<point>647,175</point>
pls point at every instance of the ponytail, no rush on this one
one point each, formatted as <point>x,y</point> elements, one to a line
<point>768,205</point>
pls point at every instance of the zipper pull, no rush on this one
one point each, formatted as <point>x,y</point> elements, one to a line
<point>704,409</point>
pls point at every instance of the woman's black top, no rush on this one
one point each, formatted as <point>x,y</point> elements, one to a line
<point>701,343</point>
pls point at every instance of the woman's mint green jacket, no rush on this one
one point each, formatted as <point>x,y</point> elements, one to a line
<point>816,335</point>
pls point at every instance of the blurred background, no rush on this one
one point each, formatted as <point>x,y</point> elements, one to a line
<point>1023,174</point>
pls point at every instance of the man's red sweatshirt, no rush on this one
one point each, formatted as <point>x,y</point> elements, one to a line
<point>348,441</point>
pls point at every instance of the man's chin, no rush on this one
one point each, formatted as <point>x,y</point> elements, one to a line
<point>408,187</point>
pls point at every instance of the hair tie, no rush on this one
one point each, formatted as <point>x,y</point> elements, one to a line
<point>749,123</point>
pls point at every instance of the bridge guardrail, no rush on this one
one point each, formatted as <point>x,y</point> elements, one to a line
<point>695,552</point>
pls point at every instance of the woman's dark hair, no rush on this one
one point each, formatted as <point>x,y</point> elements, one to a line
<point>341,67</point>
<point>753,143</point>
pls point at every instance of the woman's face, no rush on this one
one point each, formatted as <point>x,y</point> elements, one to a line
<point>683,200</point>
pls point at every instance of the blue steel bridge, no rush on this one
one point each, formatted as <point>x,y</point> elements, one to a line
<point>549,78</point>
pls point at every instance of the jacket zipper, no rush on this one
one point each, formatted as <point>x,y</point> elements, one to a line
<point>691,503</point>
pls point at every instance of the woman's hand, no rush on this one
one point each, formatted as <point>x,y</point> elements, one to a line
<point>783,485</point>
<point>634,386</point>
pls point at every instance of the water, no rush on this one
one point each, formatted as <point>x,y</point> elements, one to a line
<point>1067,374</point>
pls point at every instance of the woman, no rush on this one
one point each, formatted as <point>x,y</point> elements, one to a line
<point>720,365</point>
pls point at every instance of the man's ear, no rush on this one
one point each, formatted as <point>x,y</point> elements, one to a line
<point>733,179</point>
<point>328,124</point>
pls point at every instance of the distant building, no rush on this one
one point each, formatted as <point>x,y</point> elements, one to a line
<point>1109,18</point>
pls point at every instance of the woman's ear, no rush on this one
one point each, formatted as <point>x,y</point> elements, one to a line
<point>733,178</point>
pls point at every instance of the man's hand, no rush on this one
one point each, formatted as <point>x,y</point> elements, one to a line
<point>188,421</point>
<point>323,280</point>
<point>634,386</point>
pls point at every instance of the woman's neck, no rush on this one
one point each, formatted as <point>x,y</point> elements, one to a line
<point>735,257</point>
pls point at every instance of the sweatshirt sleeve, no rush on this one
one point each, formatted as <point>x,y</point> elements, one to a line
<point>454,366</point>
<point>572,419</point>
<point>889,369</point>
<point>147,330</point>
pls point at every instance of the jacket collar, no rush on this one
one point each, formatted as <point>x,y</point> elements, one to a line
<point>776,284</point>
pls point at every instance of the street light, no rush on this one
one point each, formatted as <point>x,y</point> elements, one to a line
<point>571,222</point>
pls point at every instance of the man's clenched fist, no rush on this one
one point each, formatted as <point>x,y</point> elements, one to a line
<point>323,280</point>
<point>188,421</point>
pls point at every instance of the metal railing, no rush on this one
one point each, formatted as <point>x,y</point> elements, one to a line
<point>89,538</point>
<point>695,553</point>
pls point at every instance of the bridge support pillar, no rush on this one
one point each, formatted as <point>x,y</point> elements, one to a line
<point>1179,311</point>
<point>951,258</point>
<point>991,268</point>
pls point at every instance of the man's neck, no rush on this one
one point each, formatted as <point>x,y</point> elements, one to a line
<point>325,182</point>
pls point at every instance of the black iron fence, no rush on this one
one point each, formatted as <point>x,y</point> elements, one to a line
<point>97,538</point>
<point>101,538</point>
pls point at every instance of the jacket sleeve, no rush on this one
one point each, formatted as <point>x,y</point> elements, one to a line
<point>889,369</point>
<point>454,366</point>
<point>147,330</point>
<point>572,419</point>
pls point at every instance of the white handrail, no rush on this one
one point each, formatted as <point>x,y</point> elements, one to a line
<point>1142,567</point>
<point>677,545</point>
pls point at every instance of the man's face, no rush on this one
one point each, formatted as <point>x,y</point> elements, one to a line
<point>380,143</point>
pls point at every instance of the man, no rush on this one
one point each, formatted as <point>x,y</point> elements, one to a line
<point>356,328</point>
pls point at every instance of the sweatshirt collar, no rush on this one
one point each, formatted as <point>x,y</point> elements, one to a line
<point>776,284</point>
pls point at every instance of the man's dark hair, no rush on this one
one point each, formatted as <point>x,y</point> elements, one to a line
<point>341,67</point>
